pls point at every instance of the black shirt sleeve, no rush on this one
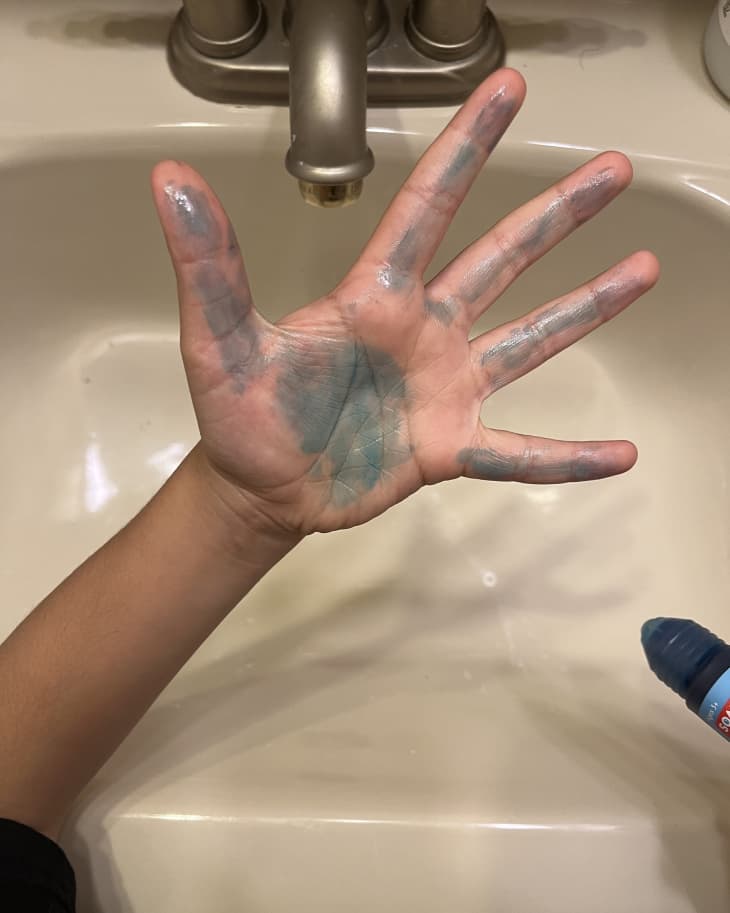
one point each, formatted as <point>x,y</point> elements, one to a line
<point>35,875</point>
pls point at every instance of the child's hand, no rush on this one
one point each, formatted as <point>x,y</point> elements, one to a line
<point>354,402</point>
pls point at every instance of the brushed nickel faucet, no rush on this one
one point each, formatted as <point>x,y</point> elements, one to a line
<point>329,59</point>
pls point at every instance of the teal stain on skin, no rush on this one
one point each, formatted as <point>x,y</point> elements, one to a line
<point>483,275</point>
<point>541,231</point>
<point>492,122</point>
<point>485,463</point>
<point>405,253</point>
<point>569,211</point>
<point>227,307</point>
<point>511,353</point>
<point>491,269</point>
<point>442,309</point>
<point>397,275</point>
<point>223,294</point>
<point>463,158</point>
<point>530,344</point>
<point>489,464</point>
<point>526,342</point>
<point>544,230</point>
<point>346,402</point>
<point>593,195</point>
<point>488,128</point>
<point>194,212</point>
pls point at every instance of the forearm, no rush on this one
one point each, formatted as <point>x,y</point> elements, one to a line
<point>83,667</point>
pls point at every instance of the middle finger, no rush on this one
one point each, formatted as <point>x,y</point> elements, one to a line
<point>480,273</point>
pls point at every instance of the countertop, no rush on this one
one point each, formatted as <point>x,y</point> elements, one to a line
<point>89,67</point>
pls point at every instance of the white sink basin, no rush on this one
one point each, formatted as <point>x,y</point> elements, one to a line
<point>448,709</point>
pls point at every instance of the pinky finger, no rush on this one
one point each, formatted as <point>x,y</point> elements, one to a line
<point>507,457</point>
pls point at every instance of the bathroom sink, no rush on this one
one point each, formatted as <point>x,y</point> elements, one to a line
<point>448,708</point>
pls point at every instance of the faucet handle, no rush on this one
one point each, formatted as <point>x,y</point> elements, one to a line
<point>224,28</point>
<point>447,29</point>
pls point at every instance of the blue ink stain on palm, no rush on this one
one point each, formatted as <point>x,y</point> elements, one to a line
<point>346,401</point>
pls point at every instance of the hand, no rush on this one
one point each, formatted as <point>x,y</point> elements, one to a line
<point>352,403</point>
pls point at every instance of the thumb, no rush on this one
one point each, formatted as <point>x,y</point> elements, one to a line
<point>213,291</point>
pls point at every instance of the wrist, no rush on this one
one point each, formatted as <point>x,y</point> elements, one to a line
<point>239,527</point>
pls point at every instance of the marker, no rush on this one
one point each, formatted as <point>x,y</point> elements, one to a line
<point>693,662</point>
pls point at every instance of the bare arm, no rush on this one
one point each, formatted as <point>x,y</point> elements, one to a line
<point>320,422</point>
<point>81,670</point>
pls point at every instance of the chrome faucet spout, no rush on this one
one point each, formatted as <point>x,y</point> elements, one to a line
<point>329,154</point>
<point>329,60</point>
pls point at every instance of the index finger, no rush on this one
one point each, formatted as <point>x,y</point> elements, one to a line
<point>416,221</point>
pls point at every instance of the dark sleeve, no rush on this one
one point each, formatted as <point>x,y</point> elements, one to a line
<point>35,875</point>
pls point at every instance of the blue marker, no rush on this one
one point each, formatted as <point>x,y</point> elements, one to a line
<point>693,662</point>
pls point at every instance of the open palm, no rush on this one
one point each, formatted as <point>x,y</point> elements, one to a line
<point>352,403</point>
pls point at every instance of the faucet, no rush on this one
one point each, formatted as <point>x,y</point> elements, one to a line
<point>329,59</point>
<point>328,97</point>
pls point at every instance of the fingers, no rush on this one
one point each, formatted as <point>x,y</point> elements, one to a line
<point>512,350</point>
<point>478,276</point>
<point>506,457</point>
<point>416,221</point>
<point>213,291</point>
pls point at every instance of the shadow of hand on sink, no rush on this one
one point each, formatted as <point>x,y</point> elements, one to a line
<point>681,790</point>
<point>570,37</point>
<point>328,668</point>
<point>105,29</point>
